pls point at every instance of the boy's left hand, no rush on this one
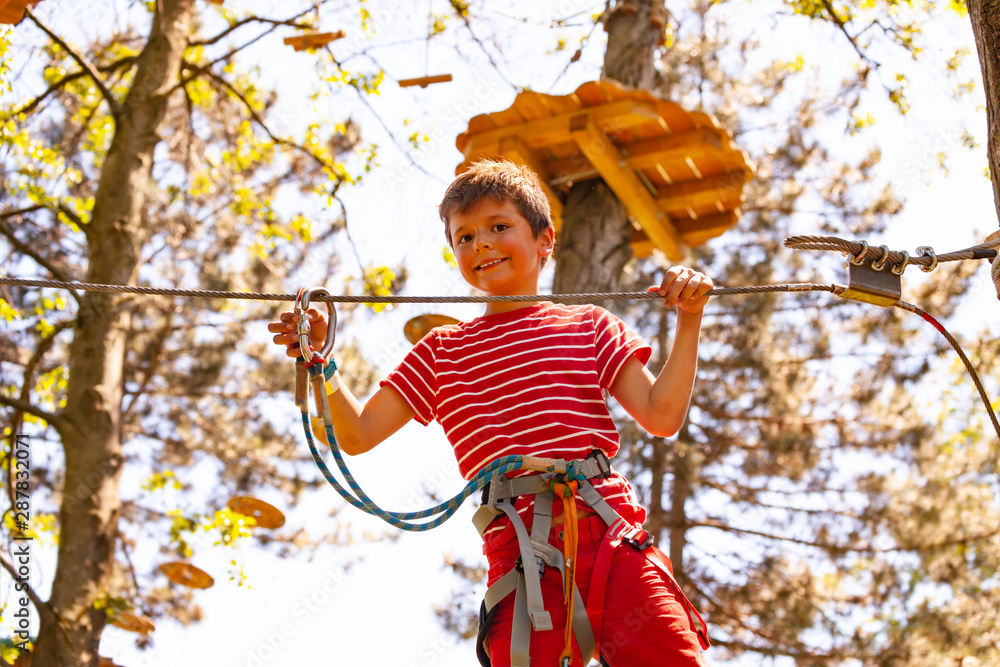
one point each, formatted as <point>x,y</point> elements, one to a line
<point>684,288</point>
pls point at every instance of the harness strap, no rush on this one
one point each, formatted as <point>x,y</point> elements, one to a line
<point>520,631</point>
<point>567,493</point>
<point>660,560</point>
<point>502,487</point>
<point>540,619</point>
<point>599,580</point>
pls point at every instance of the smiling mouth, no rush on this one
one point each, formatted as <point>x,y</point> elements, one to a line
<point>486,265</point>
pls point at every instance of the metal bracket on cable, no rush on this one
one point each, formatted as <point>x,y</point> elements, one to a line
<point>871,281</point>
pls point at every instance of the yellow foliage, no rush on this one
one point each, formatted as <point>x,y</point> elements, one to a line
<point>8,312</point>
<point>202,95</point>
<point>303,227</point>
<point>959,7</point>
<point>160,480</point>
<point>378,282</point>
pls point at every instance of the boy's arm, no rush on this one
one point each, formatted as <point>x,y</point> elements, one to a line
<point>357,429</point>
<point>660,404</point>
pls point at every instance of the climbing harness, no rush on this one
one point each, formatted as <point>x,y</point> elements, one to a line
<point>583,618</point>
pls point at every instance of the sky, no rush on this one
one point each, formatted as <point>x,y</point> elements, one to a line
<point>372,602</point>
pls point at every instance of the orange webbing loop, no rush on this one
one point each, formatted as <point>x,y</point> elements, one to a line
<point>567,492</point>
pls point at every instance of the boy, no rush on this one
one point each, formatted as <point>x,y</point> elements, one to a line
<point>530,378</point>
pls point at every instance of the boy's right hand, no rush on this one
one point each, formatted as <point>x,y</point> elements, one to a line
<point>287,331</point>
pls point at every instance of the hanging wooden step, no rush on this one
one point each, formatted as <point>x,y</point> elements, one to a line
<point>424,81</point>
<point>130,622</point>
<point>266,516</point>
<point>677,172</point>
<point>186,574</point>
<point>421,325</point>
<point>313,40</point>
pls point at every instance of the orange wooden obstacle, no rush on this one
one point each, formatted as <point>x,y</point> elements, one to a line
<point>677,172</point>
<point>424,81</point>
<point>313,40</point>
<point>12,11</point>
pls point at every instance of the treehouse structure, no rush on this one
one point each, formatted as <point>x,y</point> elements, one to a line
<point>12,11</point>
<point>677,172</point>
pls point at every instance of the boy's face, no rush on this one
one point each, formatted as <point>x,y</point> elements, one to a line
<point>496,250</point>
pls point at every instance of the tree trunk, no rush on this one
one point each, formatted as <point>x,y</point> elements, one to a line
<point>594,241</point>
<point>683,469</point>
<point>90,432</point>
<point>658,462</point>
<point>985,16</point>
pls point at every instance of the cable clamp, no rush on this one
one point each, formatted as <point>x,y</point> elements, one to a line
<point>869,283</point>
<point>879,264</point>
<point>927,251</point>
<point>898,270</point>
<point>858,258</point>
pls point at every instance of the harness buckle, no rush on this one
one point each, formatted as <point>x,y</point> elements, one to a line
<point>638,538</point>
<point>603,462</point>
<point>519,565</point>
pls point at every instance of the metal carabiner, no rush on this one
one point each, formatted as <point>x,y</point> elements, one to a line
<point>302,299</point>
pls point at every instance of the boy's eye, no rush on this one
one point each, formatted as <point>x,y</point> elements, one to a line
<point>500,226</point>
<point>464,238</point>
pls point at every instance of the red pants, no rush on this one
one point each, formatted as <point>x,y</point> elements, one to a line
<point>643,620</point>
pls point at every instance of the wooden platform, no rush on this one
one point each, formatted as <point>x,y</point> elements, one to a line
<point>677,172</point>
<point>12,11</point>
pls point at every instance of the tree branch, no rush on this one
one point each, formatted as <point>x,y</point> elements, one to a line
<point>28,251</point>
<point>20,211</point>
<point>154,361</point>
<point>254,19</point>
<point>30,106</point>
<point>260,121</point>
<point>31,409</point>
<point>85,64</point>
<point>843,28</point>
<point>26,382</point>
<point>716,523</point>
<point>41,605</point>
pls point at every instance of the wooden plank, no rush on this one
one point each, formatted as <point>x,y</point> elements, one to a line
<point>676,120</point>
<point>696,232</point>
<point>313,40</point>
<point>625,184</point>
<point>647,153</point>
<point>670,152</point>
<point>515,150</point>
<point>720,187</point>
<point>593,93</point>
<point>693,232</point>
<point>532,106</point>
<point>555,129</point>
<point>641,245</point>
<point>424,81</point>
<point>572,168</point>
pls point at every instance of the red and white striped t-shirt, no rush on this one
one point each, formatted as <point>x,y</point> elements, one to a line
<point>529,381</point>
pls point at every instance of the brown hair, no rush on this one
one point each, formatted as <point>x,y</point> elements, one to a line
<point>501,180</point>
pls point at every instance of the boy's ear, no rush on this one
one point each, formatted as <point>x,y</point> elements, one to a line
<point>547,241</point>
